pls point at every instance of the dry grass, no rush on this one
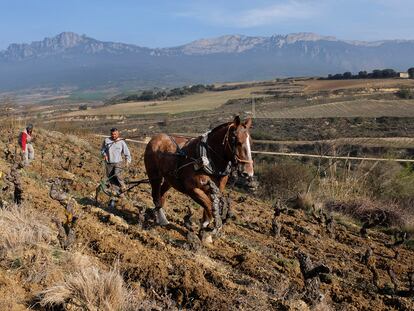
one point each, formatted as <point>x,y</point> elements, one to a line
<point>341,188</point>
<point>344,181</point>
<point>85,285</point>
<point>20,228</point>
<point>89,289</point>
<point>26,244</point>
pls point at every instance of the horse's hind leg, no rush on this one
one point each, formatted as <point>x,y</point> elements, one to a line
<point>161,218</point>
<point>158,190</point>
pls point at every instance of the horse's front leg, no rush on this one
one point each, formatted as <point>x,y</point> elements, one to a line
<point>203,198</point>
<point>225,204</point>
<point>200,196</point>
<point>222,183</point>
<point>216,197</point>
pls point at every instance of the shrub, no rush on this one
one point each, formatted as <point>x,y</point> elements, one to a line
<point>392,181</point>
<point>405,93</point>
<point>283,180</point>
<point>365,210</point>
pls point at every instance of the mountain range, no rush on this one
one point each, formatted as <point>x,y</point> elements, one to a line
<point>70,59</point>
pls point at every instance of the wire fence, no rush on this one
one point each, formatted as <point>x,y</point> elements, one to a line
<point>306,155</point>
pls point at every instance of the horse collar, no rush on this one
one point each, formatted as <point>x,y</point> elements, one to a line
<point>204,162</point>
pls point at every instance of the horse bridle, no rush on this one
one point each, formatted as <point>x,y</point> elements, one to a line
<point>232,147</point>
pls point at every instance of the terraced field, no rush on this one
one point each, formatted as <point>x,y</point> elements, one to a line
<point>329,85</point>
<point>355,108</point>
<point>197,102</point>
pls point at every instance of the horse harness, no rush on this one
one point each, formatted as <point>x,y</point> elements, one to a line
<point>180,152</point>
<point>204,162</point>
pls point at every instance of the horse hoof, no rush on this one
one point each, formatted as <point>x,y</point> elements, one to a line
<point>112,204</point>
<point>160,217</point>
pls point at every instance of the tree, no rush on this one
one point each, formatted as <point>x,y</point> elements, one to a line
<point>405,93</point>
<point>362,74</point>
<point>389,73</point>
<point>347,75</point>
<point>337,76</point>
<point>411,72</point>
<point>147,95</point>
<point>377,73</point>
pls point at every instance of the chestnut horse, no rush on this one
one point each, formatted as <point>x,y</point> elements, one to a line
<point>175,161</point>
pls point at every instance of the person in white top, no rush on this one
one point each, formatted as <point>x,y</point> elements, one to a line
<point>113,149</point>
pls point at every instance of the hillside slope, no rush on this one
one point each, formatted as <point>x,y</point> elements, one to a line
<point>246,268</point>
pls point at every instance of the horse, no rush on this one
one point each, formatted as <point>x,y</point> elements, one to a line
<point>198,167</point>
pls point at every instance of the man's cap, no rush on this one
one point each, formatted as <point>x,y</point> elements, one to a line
<point>114,129</point>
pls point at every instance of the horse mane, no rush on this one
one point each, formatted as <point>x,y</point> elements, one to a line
<point>219,127</point>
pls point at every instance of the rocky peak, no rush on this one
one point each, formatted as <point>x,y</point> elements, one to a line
<point>307,36</point>
<point>47,46</point>
<point>223,44</point>
<point>281,40</point>
<point>65,40</point>
<point>240,43</point>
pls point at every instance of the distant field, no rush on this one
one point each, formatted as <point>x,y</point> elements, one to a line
<point>196,102</point>
<point>356,108</point>
<point>326,85</point>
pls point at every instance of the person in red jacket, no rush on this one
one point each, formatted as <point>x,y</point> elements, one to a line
<point>25,139</point>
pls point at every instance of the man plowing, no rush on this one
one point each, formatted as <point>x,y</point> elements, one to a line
<point>113,150</point>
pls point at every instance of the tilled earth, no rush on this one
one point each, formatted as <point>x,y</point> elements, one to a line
<point>245,268</point>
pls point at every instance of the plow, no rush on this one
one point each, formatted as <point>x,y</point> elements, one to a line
<point>105,188</point>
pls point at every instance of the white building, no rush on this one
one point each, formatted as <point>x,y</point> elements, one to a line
<point>403,75</point>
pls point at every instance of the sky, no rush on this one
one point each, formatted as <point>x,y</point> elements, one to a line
<point>167,23</point>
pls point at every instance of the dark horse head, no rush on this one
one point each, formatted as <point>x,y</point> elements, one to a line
<point>237,145</point>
